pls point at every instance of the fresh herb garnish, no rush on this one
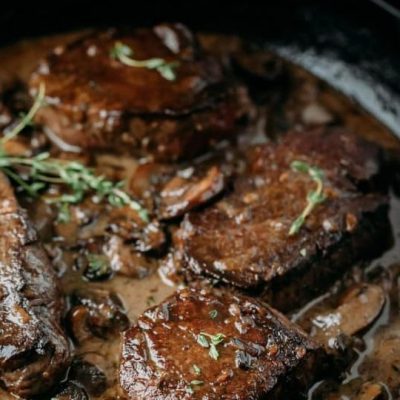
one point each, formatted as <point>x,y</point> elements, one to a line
<point>211,341</point>
<point>314,197</point>
<point>98,266</point>
<point>213,353</point>
<point>64,213</point>
<point>193,384</point>
<point>35,173</point>
<point>213,314</point>
<point>26,119</point>
<point>123,53</point>
<point>41,170</point>
<point>196,369</point>
<point>189,390</point>
<point>202,341</point>
<point>215,339</point>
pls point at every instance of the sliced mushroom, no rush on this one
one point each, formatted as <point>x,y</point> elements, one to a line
<point>78,319</point>
<point>371,391</point>
<point>358,309</point>
<point>70,391</point>
<point>126,260</point>
<point>90,376</point>
<point>126,223</point>
<point>96,312</point>
<point>92,260</point>
<point>383,363</point>
<point>152,238</point>
<point>355,389</point>
<point>183,193</point>
<point>147,179</point>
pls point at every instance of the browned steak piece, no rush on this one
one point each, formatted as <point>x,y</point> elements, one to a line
<point>213,344</point>
<point>244,239</point>
<point>33,348</point>
<point>95,101</point>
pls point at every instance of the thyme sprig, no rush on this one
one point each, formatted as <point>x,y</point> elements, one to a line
<point>37,172</point>
<point>33,174</point>
<point>27,118</point>
<point>123,53</point>
<point>314,197</point>
<point>211,342</point>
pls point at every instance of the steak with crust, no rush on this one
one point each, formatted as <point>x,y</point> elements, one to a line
<point>244,239</point>
<point>213,344</point>
<point>34,351</point>
<point>97,102</point>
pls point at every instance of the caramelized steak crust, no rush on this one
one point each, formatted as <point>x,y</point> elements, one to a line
<point>33,348</point>
<point>95,101</point>
<point>257,352</point>
<point>244,238</point>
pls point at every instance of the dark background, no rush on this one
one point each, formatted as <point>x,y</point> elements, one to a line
<point>275,18</point>
<point>360,38</point>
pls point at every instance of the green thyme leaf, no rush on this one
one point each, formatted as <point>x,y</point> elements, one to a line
<point>215,340</point>
<point>213,352</point>
<point>196,369</point>
<point>41,170</point>
<point>34,174</point>
<point>300,166</point>
<point>213,314</point>
<point>314,197</point>
<point>296,225</point>
<point>27,118</point>
<point>98,266</point>
<point>64,213</point>
<point>123,53</point>
<point>119,50</point>
<point>189,390</point>
<point>167,70</point>
<point>193,384</point>
<point>202,341</point>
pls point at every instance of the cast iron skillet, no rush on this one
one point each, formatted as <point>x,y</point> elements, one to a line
<point>353,44</point>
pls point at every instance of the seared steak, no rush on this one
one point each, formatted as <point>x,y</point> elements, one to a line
<point>244,239</point>
<point>213,344</point>
<point>34,350</point>
<point>97,102</point>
